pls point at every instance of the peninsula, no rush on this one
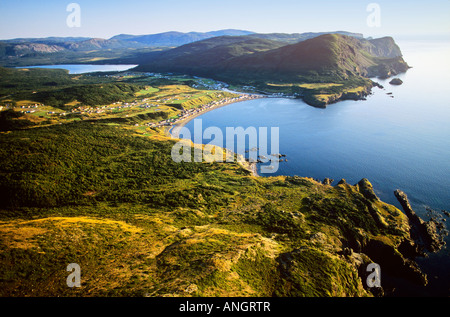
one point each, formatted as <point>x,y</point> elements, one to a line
<point>321,70</point>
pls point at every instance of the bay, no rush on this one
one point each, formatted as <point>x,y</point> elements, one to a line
<point>397,141</point>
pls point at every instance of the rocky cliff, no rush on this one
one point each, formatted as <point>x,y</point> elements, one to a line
<point>426,233</point>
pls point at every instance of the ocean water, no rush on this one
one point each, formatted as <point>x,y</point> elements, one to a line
<point>397,141</point>
<point>82,69</point>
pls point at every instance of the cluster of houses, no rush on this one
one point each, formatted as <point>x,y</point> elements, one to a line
<point>30,108</point>
<point>195,111</point>
<point>212,86</point>
<point>116,106</point>
<point>61,114</point>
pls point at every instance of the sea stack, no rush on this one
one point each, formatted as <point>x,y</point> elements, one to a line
<point>396,81</point>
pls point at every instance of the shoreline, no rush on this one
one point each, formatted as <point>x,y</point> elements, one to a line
<point>169,131</point>
<point>184,121</point>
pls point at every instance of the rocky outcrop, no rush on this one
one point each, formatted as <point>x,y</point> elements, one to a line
<point>22,49</point>
<point>383,47</point>
<point>394,262</point>
<point>366,189</point>
<point>396,81</point>
<point>426,233</point>
<point>312,99</point>
<point>388,68</point>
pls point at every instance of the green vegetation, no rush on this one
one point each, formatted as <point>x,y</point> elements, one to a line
<point>127,98</point>
<point>55,87</point>
<point>113,201</point>
<point>86,177</point>
<point>90,95</point>
<point>321,70</point>
<point>315,273</point>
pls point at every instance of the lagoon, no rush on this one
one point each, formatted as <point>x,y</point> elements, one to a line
<point>85,68</point>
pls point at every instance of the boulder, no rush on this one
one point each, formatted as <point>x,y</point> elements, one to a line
<point>366,189</point>
<point>396,81</point>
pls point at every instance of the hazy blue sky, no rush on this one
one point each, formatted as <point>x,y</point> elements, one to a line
<point>33,18</point>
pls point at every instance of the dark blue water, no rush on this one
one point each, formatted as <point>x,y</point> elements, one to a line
<point>397,143</point>
<point>82,69</point>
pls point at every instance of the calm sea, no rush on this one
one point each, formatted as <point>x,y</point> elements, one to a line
<point>397,141</point>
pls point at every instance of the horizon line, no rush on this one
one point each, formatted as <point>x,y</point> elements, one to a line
<point>419,35</point>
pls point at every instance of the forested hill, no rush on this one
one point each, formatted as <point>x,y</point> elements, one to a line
<point>248,57</point>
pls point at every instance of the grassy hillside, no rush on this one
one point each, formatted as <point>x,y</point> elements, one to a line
<point>118,49</point>
<point>171,39</point>
<point>298,37</point>
<point>98,187</point>
<point>206,57</point>
<point>247,57</point>
<point>42,97</point>
<point>270,66</point>
<point>330,55</point>
<point>138,224</point>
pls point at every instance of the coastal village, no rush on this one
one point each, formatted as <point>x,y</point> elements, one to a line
<point>167,101</point>
<point>186,114</point>
<point>133,108</point>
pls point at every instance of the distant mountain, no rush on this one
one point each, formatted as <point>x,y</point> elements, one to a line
<point>333,55</point>
<point>298,37</point>
<point>23,48</point>
<point>176,38</point>
<point>250,57</point>
<point>31,48</point>
<point>173,39</point>
<point>205,56</point>
<point>50,40</point>
<point>322,68</point>
<point>224,54</point>
<point>98,44</point>
<point>28,48</point>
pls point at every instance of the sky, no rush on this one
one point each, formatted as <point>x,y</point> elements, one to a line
<point>104,19</point>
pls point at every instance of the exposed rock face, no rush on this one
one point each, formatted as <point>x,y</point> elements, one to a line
<point>327,181</point>
<point>396,81</point>
<point>22,49</point>
<point>425,232</point>
<point>383,47</point>
<point>366,188</point>
<point>389,68</point>
<point>323,268</point>
<point>312,100</point>
<point>394,262</point>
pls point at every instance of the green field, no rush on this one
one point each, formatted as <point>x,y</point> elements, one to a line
<point>110,99</point>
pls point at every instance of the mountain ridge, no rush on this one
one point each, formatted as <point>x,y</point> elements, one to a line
<point>269,62</point>
<point>174,38</point>
<point>338,66</point>
<point>328,53</point>
<point>9,47</point>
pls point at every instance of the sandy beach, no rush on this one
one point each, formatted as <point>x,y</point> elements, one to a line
<point>172,131</point>
<point>183,122</point>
